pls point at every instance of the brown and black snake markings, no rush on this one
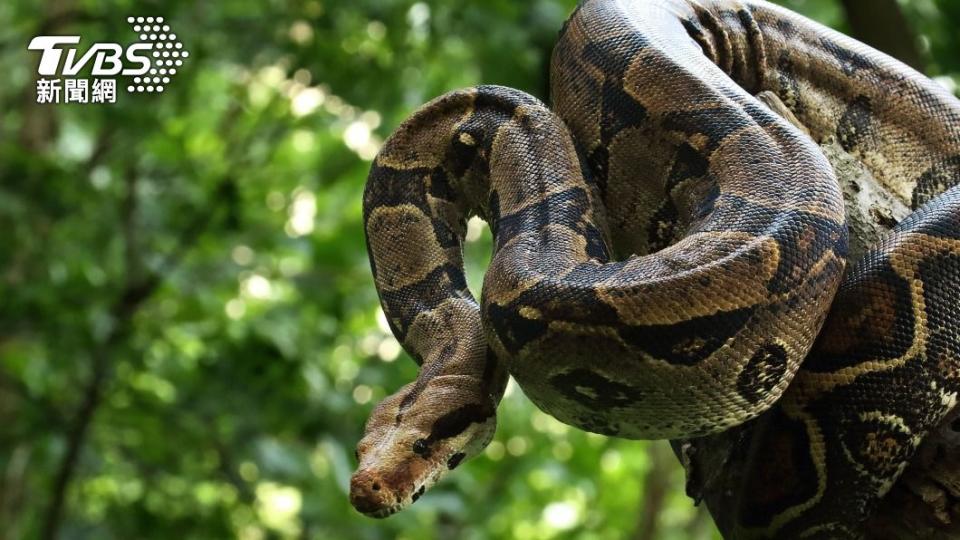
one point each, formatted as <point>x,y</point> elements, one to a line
<point>670,261</point>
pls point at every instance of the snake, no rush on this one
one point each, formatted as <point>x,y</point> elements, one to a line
<point>671,260</point>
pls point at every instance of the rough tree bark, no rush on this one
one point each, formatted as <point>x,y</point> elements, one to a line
<point>925,503</point>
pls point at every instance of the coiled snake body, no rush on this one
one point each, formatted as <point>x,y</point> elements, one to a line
<point>667,249</point>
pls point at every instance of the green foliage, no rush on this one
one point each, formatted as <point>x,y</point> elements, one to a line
<point>189,269</point>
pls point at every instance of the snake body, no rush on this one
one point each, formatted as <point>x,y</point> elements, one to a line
<point>666,251</point>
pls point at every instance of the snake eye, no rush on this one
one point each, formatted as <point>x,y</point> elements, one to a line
<point>356,453</point>
<point>421,448</point>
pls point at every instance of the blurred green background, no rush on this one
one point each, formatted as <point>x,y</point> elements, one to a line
<point>190,340</point>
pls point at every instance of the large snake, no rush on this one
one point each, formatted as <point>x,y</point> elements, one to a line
<point>666,250</point>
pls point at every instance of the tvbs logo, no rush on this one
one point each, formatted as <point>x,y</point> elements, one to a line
<point>149,63</point>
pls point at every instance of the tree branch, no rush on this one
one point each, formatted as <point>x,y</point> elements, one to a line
<point>133,296</point>
<point>656,485</point>
<point>881,24</point>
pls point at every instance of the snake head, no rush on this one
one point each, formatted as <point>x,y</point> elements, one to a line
<point>414,437</point>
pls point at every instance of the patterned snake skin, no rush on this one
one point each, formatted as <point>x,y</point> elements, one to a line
<point>667,249</point>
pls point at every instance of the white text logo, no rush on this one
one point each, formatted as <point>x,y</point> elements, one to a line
<point>149,63</point>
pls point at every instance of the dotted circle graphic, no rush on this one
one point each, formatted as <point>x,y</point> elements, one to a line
<point>167,51</point>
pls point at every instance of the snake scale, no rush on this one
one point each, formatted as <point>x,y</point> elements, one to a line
<point>667,249</point>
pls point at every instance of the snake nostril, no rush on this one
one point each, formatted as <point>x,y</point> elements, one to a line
<point>376,486</point>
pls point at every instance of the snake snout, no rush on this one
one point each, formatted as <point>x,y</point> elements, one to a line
<point>369,494</point>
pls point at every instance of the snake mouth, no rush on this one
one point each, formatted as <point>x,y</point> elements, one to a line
<point>372,497</point>
<point>383,512</point>
<point>370,509</point>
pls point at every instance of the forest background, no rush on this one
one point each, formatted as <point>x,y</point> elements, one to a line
<point>190,340</point>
